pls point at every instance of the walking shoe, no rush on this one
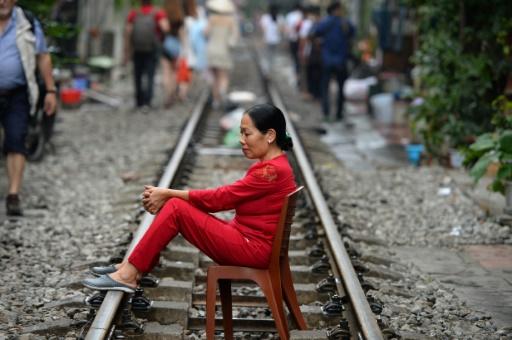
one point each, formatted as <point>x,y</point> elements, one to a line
<point>105,282</point>
<point>13,205</point>
<point>98,271</point>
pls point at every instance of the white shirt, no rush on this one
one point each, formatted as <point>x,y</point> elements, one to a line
<point>292,21</point>
<point>270,28</point>
<point>305,28</point>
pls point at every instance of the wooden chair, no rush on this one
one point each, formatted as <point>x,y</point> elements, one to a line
<point>275,281</point>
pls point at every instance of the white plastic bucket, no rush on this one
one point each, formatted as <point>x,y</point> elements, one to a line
<point>456,159</point>
<point>382,106</point>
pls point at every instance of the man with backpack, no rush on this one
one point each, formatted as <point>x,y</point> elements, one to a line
<point>22,52</point>
<point>143,34</point>
<point>336,33</point>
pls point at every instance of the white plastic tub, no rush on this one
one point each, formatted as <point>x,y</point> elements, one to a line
<point>382,106</point>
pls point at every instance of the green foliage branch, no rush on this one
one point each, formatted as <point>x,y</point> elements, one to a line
<point>55,31</point>
<point>494,147</point>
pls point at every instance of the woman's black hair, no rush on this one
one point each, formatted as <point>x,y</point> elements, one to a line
<point>266,117</point>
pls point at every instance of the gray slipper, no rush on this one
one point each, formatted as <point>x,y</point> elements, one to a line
<point>105,282</point>
<point>98,271</point>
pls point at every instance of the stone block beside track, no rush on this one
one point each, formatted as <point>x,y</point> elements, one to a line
<point>171,290</point>
<point>308,335</point>
<point>156,331</point>
<point>168,312</point>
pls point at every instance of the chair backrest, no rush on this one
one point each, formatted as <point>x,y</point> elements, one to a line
<point>283,230</point>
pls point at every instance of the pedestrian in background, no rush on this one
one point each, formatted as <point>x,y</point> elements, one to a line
<point>336,33</point>
<point>311,54</point>
<point>271,26</point>
<point>194,46</point>
<point>304,51</point>
<point>222,32</point>
<point>293,22</point>
<point>143,36</point>
<point>23,51</point>
<point>195,27</point>
<point>173,48</point>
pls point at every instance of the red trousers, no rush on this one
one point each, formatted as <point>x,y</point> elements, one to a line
<point>218,239</point>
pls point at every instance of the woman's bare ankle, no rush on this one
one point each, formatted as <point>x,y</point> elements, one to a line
<point>126,274</point>
<point>125,279</point>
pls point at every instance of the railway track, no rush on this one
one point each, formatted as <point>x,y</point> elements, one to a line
<point>173,298</point>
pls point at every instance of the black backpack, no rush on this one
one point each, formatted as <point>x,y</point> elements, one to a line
<point>144,37</point>
<point>31,19</point>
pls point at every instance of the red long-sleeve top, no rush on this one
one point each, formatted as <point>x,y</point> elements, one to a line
<point>257,198</point>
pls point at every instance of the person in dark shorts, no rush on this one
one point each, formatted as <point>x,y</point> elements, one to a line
<point>23,52</point>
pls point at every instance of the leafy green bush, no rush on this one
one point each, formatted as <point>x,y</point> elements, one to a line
<point>463,59</point>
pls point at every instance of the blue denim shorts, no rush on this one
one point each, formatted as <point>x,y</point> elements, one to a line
<point>14,117</point>
<point>171,47</point>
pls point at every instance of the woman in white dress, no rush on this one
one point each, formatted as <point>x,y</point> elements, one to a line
<point>222,32</point>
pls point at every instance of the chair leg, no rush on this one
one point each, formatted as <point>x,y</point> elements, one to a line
<point>290,296</point>
<point>211,290</point>
<point>275,302</point>
<point>227,314</point>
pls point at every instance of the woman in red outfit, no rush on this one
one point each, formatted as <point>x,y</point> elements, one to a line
<point>257,199</point>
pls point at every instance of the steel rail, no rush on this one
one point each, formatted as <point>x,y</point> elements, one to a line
<point>106,314</point>
<point>364,314</point>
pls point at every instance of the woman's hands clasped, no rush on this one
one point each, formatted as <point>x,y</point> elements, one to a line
<point>153,198</point>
